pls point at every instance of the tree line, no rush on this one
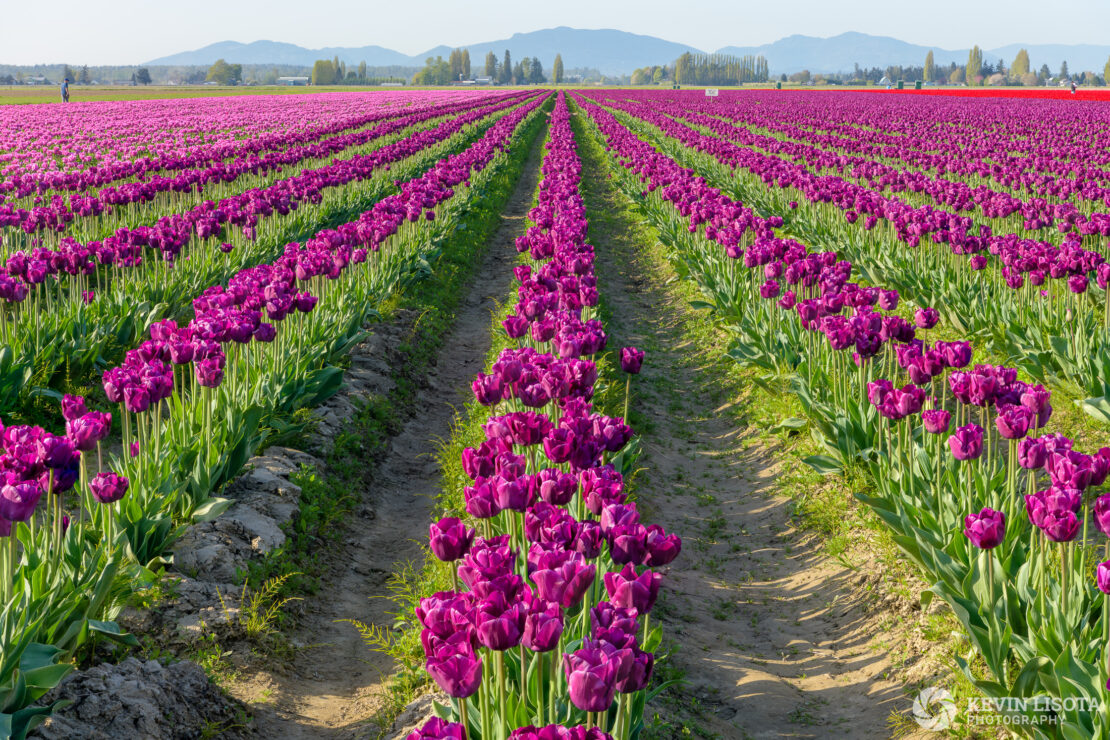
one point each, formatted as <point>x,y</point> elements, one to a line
<point>719,69</point>
<point>457,68</point>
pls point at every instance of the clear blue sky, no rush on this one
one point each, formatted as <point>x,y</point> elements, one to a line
<point>134,31</point>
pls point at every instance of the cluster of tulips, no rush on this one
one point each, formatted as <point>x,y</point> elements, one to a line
<point>73,305</point>
<point>208,220</point>
<point>248,173</point>
<point>912,225</point>
<point>157,136</point>
<point>945,441</point>
<point>1038,292</point>
<point>1051,150</point>
<point>546,632</point>
<point>191,400</point>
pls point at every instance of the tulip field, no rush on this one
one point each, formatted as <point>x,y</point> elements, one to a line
<point>925,275</point>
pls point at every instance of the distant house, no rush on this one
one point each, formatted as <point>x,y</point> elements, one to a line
<point>483,81</point>
<point>292,81</point>
<point>38,81</point>
<point>393,84</point>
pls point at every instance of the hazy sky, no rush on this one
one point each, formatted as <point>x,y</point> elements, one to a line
<point>134,31</point>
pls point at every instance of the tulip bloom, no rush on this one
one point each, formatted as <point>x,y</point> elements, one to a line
<point>986,529</point>
<point>631,591</point>
<point>458,675</point>
<point>967,442</point>
<point>450,539</point>
<point>631,360</point>
<point>591,679</point>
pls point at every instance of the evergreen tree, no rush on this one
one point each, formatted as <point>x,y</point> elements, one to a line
<point>557,69</point>
<point>362,71</point>
<point>466,64</point>
<point>506,68</point>
<point>83,77</point>
<point>1064,70</point>
<point>535,73</point>
<point>491,66</point>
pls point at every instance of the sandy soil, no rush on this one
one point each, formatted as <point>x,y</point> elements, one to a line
<point>334,686</point>
<point>775,638</point>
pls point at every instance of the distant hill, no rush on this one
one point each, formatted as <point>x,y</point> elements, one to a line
<point>612,52</point>
<point>619,52</point>
<point>841,53</point>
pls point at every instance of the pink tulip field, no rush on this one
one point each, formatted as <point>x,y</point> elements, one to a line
<point>926,276</point>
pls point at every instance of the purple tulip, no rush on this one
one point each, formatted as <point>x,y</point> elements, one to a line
<point>591,679</point>
<point>631,591</point>
<point>936,421</point>
<point>18,500</point>
<point>438,729</point>
<point>1102,513</point>
<point>1013,422</point>
<point>1060,526</point>
<point>108,487</point>
<point>450,539</point>
<point>1032,453</point>
<point>499,623</point>
<point>662,548</point>
<point>926,318</point>
<point>986,529</point>
<point>458,675</point>
<point>631,360</point>
<point>967,442</point>
<point>566,580</point>
<point>543,626</point>
<point>639,673</point>
<point>1102,576</point>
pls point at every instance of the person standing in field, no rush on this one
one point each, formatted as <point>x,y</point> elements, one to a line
<point>65,90</point>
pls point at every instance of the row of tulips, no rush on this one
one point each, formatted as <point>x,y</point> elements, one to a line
<point>988,504</point>
<point>1054,323</point>
<point>1052,151</point>
<point>191,402</point>
<point>154,136</point>
<point>85,299</point>
<point>92,214</point>
<point>1004,210</point>
<point>546,633</point>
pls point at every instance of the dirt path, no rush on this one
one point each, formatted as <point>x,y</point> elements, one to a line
<point>763,625</point>
<point>334,685</point>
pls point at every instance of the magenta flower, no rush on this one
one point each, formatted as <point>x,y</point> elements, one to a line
<point>1102,576</point>
<point>631,591</point>
<point>986,529</point>
<point>591,678</point>
<point>459,675</point>
<point>438,729</point>
<point>450,539</point>
<point>936,421</point>
<point>108,487</point>
<point>631,360</point>
<point>967,442</point>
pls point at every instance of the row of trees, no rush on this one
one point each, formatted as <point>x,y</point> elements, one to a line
<point>528,71</point>
<point>719,69</point>
<point>1020,72</point>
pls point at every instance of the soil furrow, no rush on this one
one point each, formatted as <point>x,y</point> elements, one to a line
<point>771,635</point>
<point>335,685</point>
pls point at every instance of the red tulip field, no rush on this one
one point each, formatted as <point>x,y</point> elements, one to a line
<point>573,414</point>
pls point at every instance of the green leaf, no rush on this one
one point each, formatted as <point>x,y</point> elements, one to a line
<point>823,464</point>
<point>794,423</point>
<point>699,305</point>
<point>211,509</point>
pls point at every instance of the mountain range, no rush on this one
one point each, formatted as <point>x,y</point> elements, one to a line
<point>619,52</point>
